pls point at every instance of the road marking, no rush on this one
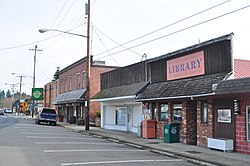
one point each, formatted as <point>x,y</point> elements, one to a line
<point>75,143</point>
<point>92,150</point>
<point>48,133</point>
<point>42,130</point>
<point>38,137</point>
<point>121,161</point>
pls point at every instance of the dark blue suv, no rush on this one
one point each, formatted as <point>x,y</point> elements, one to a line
<point>47,115</point>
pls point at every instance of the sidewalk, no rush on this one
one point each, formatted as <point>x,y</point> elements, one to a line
<point>203,156</point>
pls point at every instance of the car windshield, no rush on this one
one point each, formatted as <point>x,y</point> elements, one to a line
<point>49,111</point>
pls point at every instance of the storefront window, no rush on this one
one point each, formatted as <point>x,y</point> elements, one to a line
<point>155,110</point>
<point>164,112</point>
<point>248,122</point>
<point>120,115</point>
<point>204,113</point>
<point>177,113</point>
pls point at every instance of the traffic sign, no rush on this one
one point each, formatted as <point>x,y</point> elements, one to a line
<point>24,104</point>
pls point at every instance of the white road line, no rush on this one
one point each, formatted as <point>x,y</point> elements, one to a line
<point>38,137</point>
<point>38,130</point>
<point>92,150</point>
<point>121,161</point>
<point>74,143</point>
<point>47,133</point>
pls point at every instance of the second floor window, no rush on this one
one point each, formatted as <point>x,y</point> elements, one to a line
<point>78,81</point>
<point>65,85</point>
<point>70,83</point>
<point>61,86</point>
<point>84,80</point>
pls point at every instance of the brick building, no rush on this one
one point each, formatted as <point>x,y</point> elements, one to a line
<point>67,92</point>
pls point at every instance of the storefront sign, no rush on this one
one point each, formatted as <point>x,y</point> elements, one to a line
<point>37,94</point>
<point>186,66</point>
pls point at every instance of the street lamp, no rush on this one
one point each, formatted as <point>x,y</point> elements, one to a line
<point>88,60</point>
<point>46,30</point>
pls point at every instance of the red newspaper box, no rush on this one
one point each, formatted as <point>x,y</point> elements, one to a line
<point>148,128</point>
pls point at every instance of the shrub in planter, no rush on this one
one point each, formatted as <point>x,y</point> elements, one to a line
<point>80,122</point>
<point>72,120</point>
<point>98,119</point>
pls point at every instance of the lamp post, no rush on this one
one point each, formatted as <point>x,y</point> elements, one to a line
<point>88,62</point>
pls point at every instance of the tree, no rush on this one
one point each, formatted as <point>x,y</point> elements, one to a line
<point>2,94</point>
<point>8,95</point>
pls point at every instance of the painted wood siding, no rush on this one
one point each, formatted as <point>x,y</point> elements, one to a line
<point>218,59</point>
<point>123,76</point>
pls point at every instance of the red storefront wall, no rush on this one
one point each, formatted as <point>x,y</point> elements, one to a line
<point>242,145</point>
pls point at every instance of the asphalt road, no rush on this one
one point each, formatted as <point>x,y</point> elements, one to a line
<point>24,143</point>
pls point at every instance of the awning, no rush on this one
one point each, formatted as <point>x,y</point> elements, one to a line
<point>234,86</point>
<point>75,96</point>
<point>119,93</point>
<point>183,88</point>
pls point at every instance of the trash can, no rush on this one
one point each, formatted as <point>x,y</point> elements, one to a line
<point>171,133</point>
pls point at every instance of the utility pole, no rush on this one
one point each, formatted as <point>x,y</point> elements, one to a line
<point>20,89</point>
<point>12,98</point>
<point>34,76</point>
<point>88,70</point>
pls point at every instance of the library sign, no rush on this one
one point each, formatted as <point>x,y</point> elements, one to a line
<point>37,94</point>
<point>186,66</point>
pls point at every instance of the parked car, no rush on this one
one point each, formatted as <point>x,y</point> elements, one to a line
<point>1,112</point>
<point>47,115</point>
<point>8,110</point>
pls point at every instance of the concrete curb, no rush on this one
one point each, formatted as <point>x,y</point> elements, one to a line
<point>168,153</point>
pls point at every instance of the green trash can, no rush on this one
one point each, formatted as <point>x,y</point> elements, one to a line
<point>171,133</point>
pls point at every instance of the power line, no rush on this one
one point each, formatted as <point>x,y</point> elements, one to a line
<point>105,47</point>
<point>35,42</point>
<point>214,18</point>
<point>59,14</point>
<point>115,42</point>
<point>167,26</point>
<point>66,13</point>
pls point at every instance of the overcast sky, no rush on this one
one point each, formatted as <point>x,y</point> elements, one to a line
<point>114,23</point>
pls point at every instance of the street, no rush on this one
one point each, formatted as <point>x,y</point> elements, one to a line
<point>24,143</point>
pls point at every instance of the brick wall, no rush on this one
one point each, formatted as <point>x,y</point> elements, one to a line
<point>242,146</point>
<point>204,130</point>
<point>95,87</point>
<point>79,68</point>
<point>160,129</point>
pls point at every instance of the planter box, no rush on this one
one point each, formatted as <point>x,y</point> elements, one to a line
<point>220,144</point>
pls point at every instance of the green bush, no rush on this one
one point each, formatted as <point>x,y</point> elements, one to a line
<point>72,120</point>
<point>98,114</point>
<point>80,122</point>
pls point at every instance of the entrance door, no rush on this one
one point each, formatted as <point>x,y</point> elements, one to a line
<point>130,118</point>
<point>224,121</point>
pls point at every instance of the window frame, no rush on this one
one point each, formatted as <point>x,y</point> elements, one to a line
<point>119,113</point>
<point>70,83</point>
<point>160,112</point>
<point>78,81</point>
<point>248,123</point>
<point>84,80</point>
<point>203,112</point>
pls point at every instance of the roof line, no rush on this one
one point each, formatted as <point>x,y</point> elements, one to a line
<point>176,97</point>
<point>114,98</point>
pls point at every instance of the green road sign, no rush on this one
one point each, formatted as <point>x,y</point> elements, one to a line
<point>37,94</point>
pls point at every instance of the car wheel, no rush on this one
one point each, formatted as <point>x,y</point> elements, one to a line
<point>54,123</point>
